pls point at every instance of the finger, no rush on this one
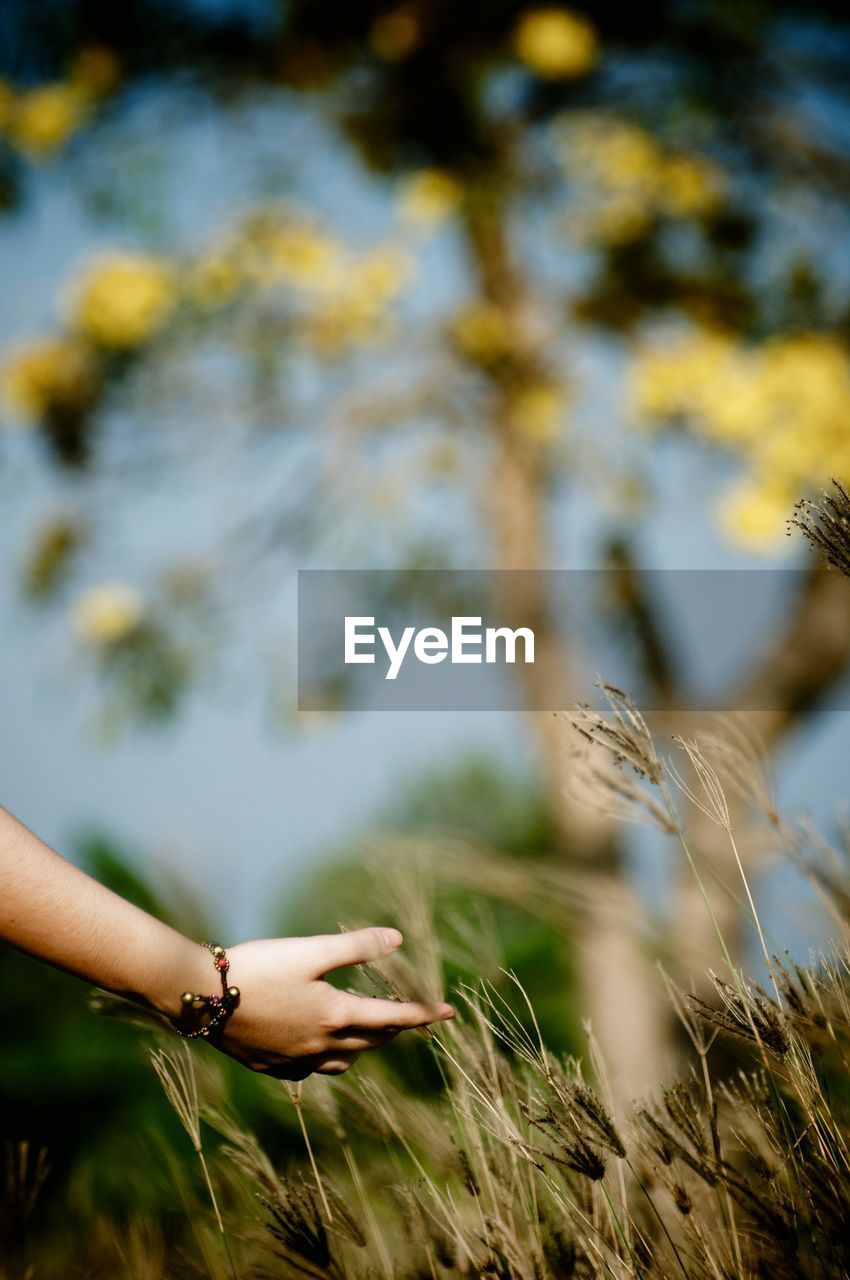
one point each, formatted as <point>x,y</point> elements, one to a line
<point>357,1039</point>
<point>369,1014</point>
<point>335,950</point>
<point>334,1064</point>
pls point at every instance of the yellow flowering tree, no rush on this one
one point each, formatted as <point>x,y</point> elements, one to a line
<point>783,406</point>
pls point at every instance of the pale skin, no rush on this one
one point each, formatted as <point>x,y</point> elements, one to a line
<point>289,1021</point>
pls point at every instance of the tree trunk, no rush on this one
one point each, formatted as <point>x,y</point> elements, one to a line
<point>618,990</point>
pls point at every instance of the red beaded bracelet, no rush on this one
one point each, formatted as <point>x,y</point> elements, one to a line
<point>212,1010</point>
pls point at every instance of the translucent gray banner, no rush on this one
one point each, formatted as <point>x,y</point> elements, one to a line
<point>480,640</point>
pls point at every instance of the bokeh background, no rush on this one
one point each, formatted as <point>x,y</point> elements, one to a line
<point>410,285</point>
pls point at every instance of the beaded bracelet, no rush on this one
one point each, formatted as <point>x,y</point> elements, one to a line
<point>214,1009</point>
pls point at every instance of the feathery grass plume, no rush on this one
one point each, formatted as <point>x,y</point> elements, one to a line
<point>296,1232</point>
<point>176,1073</point>
<point>295,1092</point>
<point>293,1226</point>
<point>659,1131</point>
<point>425,1235</point>
<point>619,780</point>
<point>614,793</point>
<point>710,798</point>
<point>624,735</point>
<point>740,760</point>
<point>408,892</point>
<point>747,1012</point>
<point>395,978</point>
<point>625,738</point>
<point>572,1148</point>
<point>596,1118</point>
<point>825,521</point>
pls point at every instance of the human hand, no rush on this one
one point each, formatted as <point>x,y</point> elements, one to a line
<point>290,1022</point>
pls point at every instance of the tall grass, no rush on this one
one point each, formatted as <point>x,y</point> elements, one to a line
<point>520,1164</point>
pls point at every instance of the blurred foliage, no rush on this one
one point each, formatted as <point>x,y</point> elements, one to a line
<point>674,181</point>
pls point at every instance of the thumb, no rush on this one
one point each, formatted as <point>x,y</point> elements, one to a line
<point>335,950</point>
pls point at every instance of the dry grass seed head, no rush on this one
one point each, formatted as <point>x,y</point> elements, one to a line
<point>825,522</point>
<point>746,1012</point>
<point>621,796</point>
<point>297,1234</point>
<point>710,798</point>
<point>740,759</point>
<point>623,735</point>
<point>176,1072</point>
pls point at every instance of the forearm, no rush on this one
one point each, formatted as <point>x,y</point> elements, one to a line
<point>55,912</point>
<point>287,1020</point>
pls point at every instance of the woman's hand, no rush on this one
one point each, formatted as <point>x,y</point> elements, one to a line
<point>289,1022</point>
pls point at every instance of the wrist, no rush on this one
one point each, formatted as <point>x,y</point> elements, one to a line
<point>187,967</point>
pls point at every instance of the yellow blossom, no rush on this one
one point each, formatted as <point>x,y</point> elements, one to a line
<point>7,103</point>
<point>357,310</point>
<point>755,513</point>
<point>299,255</point>
<point>344,321</point>
<point>538,410</point>
<point>395,34</point>
<point>381,274</point>
<point>52,374</point>
<point>340,323</point>
<point>429,197</point>
<point>705,376</point>
<point>482,332</point>
<point>782,406</point>
<point>626,179</point>
<point>95,70</point>
<point>616,155</point>
<point>555,43</point>
<point>108,614</point>
<point>43,119</point>
<point>690,186</point>
<point>124,299</point>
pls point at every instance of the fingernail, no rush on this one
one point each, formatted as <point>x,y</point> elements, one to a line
<point>392,937</point>
<point>446,1012</point>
